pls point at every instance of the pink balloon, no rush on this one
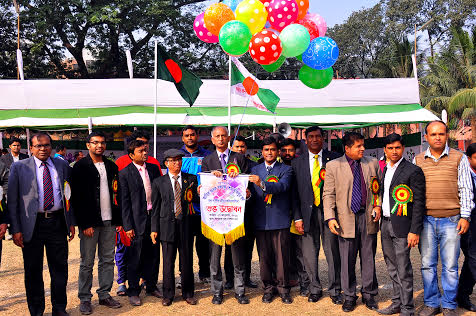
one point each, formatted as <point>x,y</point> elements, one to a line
<point>201,30</point>
<point>281,13</point>
<point>319,21</point>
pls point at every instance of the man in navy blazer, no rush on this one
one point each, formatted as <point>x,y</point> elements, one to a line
<point>40,218</point>
<point>272,204</point>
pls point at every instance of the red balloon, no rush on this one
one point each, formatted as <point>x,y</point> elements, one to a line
<point>265,47</point>
<point>312,27</point>
<point>266,3</point>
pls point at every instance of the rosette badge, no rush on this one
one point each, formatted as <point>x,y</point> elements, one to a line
<point>375,188</point>
<point>232,167</point>
<point>402,194</point>
<point>274,179</point>
<point>189,199</point>
<point>322,176</point>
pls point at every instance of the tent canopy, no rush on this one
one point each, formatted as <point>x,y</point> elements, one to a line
<point>111,102</point>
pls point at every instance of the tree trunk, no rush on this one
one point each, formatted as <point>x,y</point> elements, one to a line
<point>473,130</point>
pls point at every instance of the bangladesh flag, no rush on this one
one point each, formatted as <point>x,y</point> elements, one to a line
<point>186,82</point>
<point>245,84</point>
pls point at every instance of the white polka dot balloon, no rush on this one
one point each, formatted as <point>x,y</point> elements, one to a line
<point>265,47</point>
<point>281,13</point>
<point>202,32</point>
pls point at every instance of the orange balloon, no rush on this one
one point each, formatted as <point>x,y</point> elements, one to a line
<point>303,6</point>
<point>216,16</point>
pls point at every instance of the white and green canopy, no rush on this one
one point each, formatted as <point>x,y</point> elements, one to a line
<point>56,104</point>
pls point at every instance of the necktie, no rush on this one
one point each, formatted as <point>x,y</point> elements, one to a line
<point>356,189</point>
<point>147,187</point>
<point>177,196</point>
<point>268,169</point>
<point>223,162</point>
<point>48,199</point>
<point>315,179</point>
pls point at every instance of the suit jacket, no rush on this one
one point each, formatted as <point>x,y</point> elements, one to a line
<point>275,215</point>
<point>163,215</point>
<point>133,200</point>
<point>86,193</point>
<point>411,175</point>
<point>23,203</point>
<point>212,162</point>
<point>303,195</point>
<point>337,194</point>
<point>4,173</point>
<point>8,159</point>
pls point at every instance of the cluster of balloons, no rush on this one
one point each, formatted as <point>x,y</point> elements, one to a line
<point>271,31</point>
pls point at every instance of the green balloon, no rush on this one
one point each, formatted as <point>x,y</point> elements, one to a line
<point>235,37</point>
<point>295,39</point>
<point>314,78</point>
<point>276,65</point>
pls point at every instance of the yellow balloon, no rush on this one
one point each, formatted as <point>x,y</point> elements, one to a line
<point>253,13</point>
<point>216,16</point>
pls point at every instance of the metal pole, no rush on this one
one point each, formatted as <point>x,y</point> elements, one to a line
<point>17,9</point>
<point>155,102</point>
<point>28,140</point>
<point>229,98</point>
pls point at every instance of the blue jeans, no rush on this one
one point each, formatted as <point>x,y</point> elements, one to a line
<point>442,233</point>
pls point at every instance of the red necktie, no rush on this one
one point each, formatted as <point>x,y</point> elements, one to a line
<point>48,200</point>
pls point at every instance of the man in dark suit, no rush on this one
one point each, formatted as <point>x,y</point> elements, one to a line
<point>15,154</point>
<point>216,162</point>
<point>40,217</point>
<point>309,170</point>
<point>271,204</point>
<point>400,230</point>
<point>97,211</point>
<point>4,173</point>
<point>352,208</point>
<point>173,196</point>
<point>143,258</point>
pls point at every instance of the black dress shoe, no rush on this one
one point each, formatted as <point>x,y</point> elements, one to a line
<point>313,298</point>
<point>267,298</point>
<point>466,304</point>
<point>135,300</point>
<point>286,298</point>
<point>429,311</point>
<point>166,302</point>
<point>229,285</point>
<point>251,284</point>
<point>110,302</point>
<point>392,309</point>
<point>337,299</point>
<point>217,299</point>
<point>59,313</point>
<point>304,292</point>
<point>370,303</point>
<point>85,308</point>
<point>242,299</point>
<point>348,306</point>
<point>191,301</point>
<point>155,293</point>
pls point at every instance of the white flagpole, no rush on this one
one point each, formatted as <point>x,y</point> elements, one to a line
<point>130,67</point>
<point>155,103</point>
<point>229,98</point>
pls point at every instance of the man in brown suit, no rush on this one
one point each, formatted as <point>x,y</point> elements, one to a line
<point>352,211</point>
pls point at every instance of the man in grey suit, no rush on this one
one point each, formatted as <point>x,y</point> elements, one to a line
<point>39,215</point>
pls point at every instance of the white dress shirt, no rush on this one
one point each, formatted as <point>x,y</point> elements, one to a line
<point>311,160</point>
<point>172,180</point>
<point>17,158</point>
<point>386,187</point>
<point>146,182</point>
<point>58,199</point>
<point>104,197</point>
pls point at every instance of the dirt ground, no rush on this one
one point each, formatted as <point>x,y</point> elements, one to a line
<point>13,299</point>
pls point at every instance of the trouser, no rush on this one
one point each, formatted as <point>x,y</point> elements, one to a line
<point>143,259</point>
<point>249,243</point>
<point>104,240</point>
<point>442,233</point>
<point>365,245</point>
<point>120,259</point>
<point>49,234</point>
<point>467,279</point>
<point>397,257</point>
<point>274,259</point>
<point>202,247</point>
<point>183,243</point>
<point>310,245</point>
<point>237,252</point>
<point>330,243</point>
<point>297,262</point>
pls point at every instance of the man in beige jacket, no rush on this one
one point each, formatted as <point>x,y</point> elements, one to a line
<point>352,208</point>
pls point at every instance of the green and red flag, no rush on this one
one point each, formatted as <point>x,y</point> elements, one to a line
<point>186,82</point>
<point>245,84</point>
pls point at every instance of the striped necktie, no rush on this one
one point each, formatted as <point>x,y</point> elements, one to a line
<point>356,201</point>
<point>177,196</point>
<point>48,199</point>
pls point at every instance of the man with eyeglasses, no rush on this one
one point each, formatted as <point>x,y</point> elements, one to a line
<point>40,218</point>
<point>95,202</point>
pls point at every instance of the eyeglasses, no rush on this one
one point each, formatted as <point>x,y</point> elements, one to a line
<point>45,146</point>
<point>174,160</point>
<point>98,143</point>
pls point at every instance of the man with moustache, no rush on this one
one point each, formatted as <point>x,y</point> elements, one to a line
<point>287,151</point>
<point>216,163</point>
<point>309,170</point>
<point>401,223</point>
<point>143,257</point>
<point>95,202</point>
<point>40,218</point>
<point>352,211</point>
<point>15,153</point>
<point>271,205</point>
<point>192,164</point>
<point>449,202</point>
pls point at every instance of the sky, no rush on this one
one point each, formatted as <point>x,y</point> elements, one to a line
<point>337,11</point>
